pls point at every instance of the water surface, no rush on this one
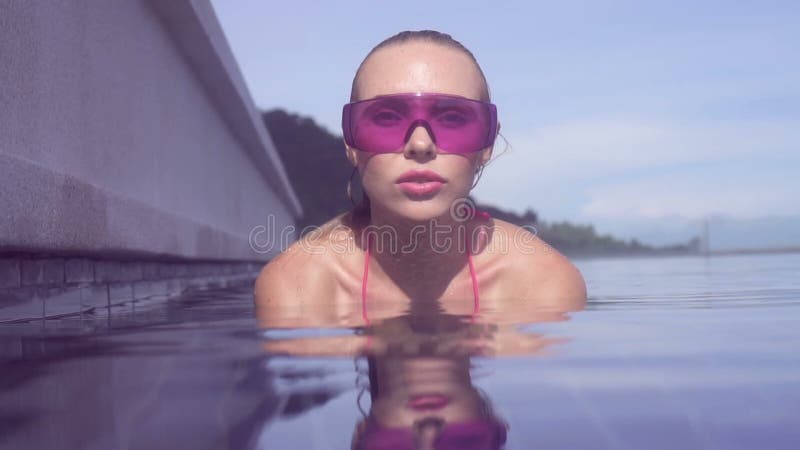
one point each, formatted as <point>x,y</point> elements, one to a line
<point>681,352</point>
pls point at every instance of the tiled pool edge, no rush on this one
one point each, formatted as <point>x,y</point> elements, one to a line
<point>35,288</point>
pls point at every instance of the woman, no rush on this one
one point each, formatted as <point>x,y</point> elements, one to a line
<point>418,130</point>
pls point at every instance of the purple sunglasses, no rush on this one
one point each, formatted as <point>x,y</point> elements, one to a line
<point>383,124</point>
<point>472,435</point>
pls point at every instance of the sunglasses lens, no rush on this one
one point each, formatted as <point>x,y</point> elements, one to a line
<point>380,125</point>
<point>472,435</point>
<point>384,124</point>
<point>475,435</point>
<point>461,126</point>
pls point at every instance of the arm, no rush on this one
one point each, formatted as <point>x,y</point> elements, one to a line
<point>293,291</point>
<point>297,289</point>
<point>550,281</point>
<point>287,289</point>
<point>565,288</point>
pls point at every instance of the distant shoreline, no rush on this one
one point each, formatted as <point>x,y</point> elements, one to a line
<point>662,254</point>
<point>747,251</point>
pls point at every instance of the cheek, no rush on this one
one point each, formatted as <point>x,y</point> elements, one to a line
<point>463,172</point>
<point>376,174</point>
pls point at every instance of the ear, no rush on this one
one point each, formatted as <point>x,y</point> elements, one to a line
<point>350,153</point>
<point>486,154</point>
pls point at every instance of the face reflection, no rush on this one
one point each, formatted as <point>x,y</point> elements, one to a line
<point>417,67</point>
<point>423,392</point>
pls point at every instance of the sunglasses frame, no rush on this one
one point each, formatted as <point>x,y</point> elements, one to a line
<point>488,141</point>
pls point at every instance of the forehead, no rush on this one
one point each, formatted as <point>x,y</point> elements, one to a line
<point>419,67</point>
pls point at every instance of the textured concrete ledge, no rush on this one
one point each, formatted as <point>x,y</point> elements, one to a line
<point>34,287</point>
<point>74,216</point>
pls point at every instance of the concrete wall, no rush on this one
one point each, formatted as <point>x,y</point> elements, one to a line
<point>35,288</point>
<point>127,130</point>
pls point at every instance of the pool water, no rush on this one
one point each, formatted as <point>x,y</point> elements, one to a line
<point>670,353</point>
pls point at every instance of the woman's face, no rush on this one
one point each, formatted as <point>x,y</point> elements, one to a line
<point>414,389</point>
<point>417,67</point>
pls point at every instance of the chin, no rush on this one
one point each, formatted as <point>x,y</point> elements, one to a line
<point>422,211</point>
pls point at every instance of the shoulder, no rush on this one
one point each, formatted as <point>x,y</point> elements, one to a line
<point>536,272</point>
<point>284,278</point>
<point>298,273</point>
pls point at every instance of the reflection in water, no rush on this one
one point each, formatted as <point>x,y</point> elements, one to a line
<point>421,389</point>
<point>420,386</point>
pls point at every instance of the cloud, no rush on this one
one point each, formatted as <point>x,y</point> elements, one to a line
<point>650,167</point>
<point>597,147</point>
<point>743,194</point>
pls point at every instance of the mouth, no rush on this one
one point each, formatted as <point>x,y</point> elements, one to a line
<point>420,182</point>
<point>427,402</point>
<point>420,176</point>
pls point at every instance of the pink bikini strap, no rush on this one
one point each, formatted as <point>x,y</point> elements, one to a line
<point>476,306</point>
<point>476,302</point>
<point>364,281</point>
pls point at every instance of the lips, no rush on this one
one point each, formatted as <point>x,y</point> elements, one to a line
<point>420,182</point>
<point>420,176</point>
<point>427,402</point>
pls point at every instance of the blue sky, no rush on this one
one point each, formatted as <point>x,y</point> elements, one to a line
<point>639,117</point>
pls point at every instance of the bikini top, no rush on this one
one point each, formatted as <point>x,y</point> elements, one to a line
<point>472,273</point>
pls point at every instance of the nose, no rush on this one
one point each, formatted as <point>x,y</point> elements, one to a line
<point>420,142</point>
<point>426,431</point>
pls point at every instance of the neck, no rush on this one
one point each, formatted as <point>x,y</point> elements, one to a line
<point>421,257</point>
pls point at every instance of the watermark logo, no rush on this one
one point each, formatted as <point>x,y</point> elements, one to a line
<point>463,210</point>
<point>263,238</point>
<point>431,236</point>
